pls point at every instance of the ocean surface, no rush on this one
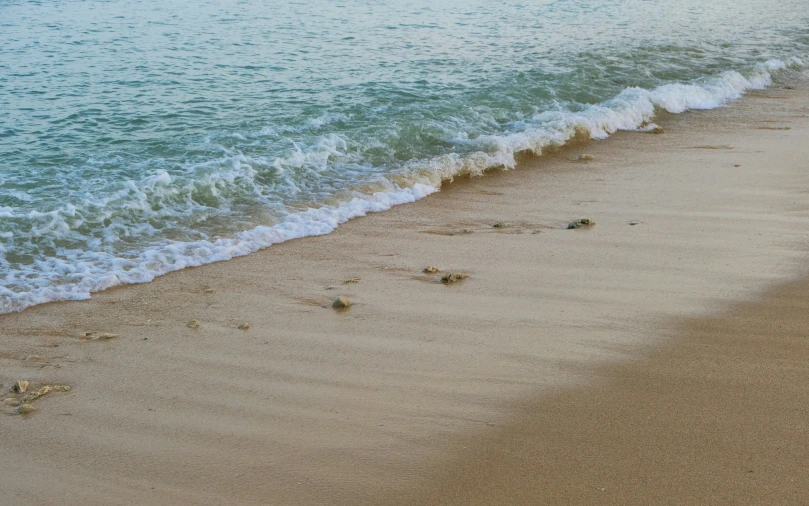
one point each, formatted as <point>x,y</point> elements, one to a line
<point>142,137</point>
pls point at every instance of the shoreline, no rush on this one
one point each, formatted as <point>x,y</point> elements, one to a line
<point>632,110</point>
<point>310,404</point>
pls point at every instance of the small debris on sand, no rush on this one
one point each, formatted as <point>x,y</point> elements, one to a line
<point>585,158</point>
<point>651,128</point>
<point>453,277</point>
<point>61,388</point>
<point>431,269</point>
<point>351,280</point>
<point>244,326</point>
<point>499,224</point>
<point>20,386</point>
<point>341,302</point>
<point>25,409</point>
<point>208,290</point>
<point>633,223</point>
<point>88,336</point>
<point>193,324</point>
<point>39,393</point>
<point>11,402</point>
<point>737,165</point>
<point>580,223</point>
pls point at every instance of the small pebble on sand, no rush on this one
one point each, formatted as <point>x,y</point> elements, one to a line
<point>453,277</point>
<point>25,409</point>
<point>580,223</point>
<point>193,324</point>
<point>107,335</point>
<point>341,302</point>
<point>430,269</point>
<point>11,402</point>
<point>244,326</point>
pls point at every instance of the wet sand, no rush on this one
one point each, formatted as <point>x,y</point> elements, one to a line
<point>430,393</point>
<point>718,415</point>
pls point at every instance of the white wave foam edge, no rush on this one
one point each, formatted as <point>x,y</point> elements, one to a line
<point>629,110</point>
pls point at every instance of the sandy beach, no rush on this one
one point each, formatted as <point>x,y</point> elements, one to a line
<point>656,357</point>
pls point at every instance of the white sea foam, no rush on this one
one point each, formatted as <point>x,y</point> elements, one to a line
<point>76,273</point>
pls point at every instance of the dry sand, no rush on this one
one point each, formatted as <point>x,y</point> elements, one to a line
<point>615,356</point>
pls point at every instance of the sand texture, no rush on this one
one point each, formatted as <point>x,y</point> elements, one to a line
<point>635,355</point>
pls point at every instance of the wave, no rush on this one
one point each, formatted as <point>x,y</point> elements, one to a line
<point>75,273</point>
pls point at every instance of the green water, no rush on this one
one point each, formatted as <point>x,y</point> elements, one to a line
<point>140,137</point>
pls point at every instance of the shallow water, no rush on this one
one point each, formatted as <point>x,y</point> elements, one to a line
<point>141,137</point>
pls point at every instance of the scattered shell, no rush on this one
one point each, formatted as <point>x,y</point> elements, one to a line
<point>208,290</point>
<point>351,280</point>
<point>580,223</point>
<point>430,269</point>
<point>341,302</point>
<point>25,409</point>
<point>86,335</point>
<point>499,224</point>
<point>453,277</point>
<point>61,388</point>
<point>39,393</point>
<point>244,326</point>
<point>107,335</point>
<point>585,157</point>
<point>20,386</point>
<point>193,324</point>
<point>11,402</point>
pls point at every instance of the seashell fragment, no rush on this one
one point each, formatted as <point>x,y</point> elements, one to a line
<point>341,302</point>
<point>20,386</point>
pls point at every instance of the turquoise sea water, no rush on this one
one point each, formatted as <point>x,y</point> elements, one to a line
<point>141,137</point>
